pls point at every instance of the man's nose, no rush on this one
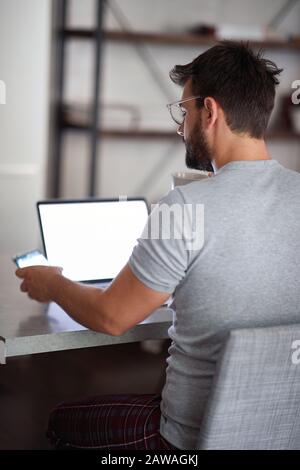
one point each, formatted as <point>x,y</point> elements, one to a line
<point>180,130</point>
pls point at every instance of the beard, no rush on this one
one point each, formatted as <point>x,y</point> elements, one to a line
<point>198,155</point>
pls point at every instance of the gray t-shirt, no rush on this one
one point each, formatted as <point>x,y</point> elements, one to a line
<point>246,274</point>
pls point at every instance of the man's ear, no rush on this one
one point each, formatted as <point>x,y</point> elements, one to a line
<point>211,108</point>
<point>208,108</point>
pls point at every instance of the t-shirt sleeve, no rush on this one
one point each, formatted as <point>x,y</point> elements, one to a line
<point>159,259</point>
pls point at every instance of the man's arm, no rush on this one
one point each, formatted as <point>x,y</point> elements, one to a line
<point>126,302</point>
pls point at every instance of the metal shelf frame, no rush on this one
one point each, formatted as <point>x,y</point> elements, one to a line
<point>61,37</point>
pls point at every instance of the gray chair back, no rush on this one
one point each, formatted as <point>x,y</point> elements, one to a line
<point>255,398</point>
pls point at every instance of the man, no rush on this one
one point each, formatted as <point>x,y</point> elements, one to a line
<point>245,273</point>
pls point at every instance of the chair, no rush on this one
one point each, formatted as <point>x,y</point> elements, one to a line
<point>255,399</point>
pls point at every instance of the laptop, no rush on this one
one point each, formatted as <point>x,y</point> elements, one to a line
<point>91,239</point>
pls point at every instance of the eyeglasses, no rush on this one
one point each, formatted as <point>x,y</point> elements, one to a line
<point>176,111</point>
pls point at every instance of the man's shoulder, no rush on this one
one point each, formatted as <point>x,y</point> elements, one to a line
<point>193,191</point>
<point>288,172</point>
<point>185,194</point>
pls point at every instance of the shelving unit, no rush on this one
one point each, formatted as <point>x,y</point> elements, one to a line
<point>179,39</point>
<point>97,35</point>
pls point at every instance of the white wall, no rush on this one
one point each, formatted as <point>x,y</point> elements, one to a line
<point>125,166</point>
<point>24,67</point>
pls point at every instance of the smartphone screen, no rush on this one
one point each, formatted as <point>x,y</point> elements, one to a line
<point>32,258</point>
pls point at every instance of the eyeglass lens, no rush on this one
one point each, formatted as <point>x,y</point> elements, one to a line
<point>177,114</point>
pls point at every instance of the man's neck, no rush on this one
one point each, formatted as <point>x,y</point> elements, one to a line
<point>241,149</point>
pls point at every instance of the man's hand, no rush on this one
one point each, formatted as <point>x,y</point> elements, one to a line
<point>37,281</point>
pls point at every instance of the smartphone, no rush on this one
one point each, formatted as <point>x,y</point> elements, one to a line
<point>31,258</point>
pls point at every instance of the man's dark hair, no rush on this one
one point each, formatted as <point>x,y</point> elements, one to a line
<point>242,82</point>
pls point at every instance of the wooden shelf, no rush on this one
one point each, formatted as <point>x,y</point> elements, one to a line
<point>168,38</point>
<point>123,133</point>
<point>158,134</point>
<point>283,135</point>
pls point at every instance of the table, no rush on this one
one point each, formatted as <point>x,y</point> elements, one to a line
<point>28,327</point>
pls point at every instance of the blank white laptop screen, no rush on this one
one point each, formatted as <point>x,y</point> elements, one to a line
<point>91,240</point>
